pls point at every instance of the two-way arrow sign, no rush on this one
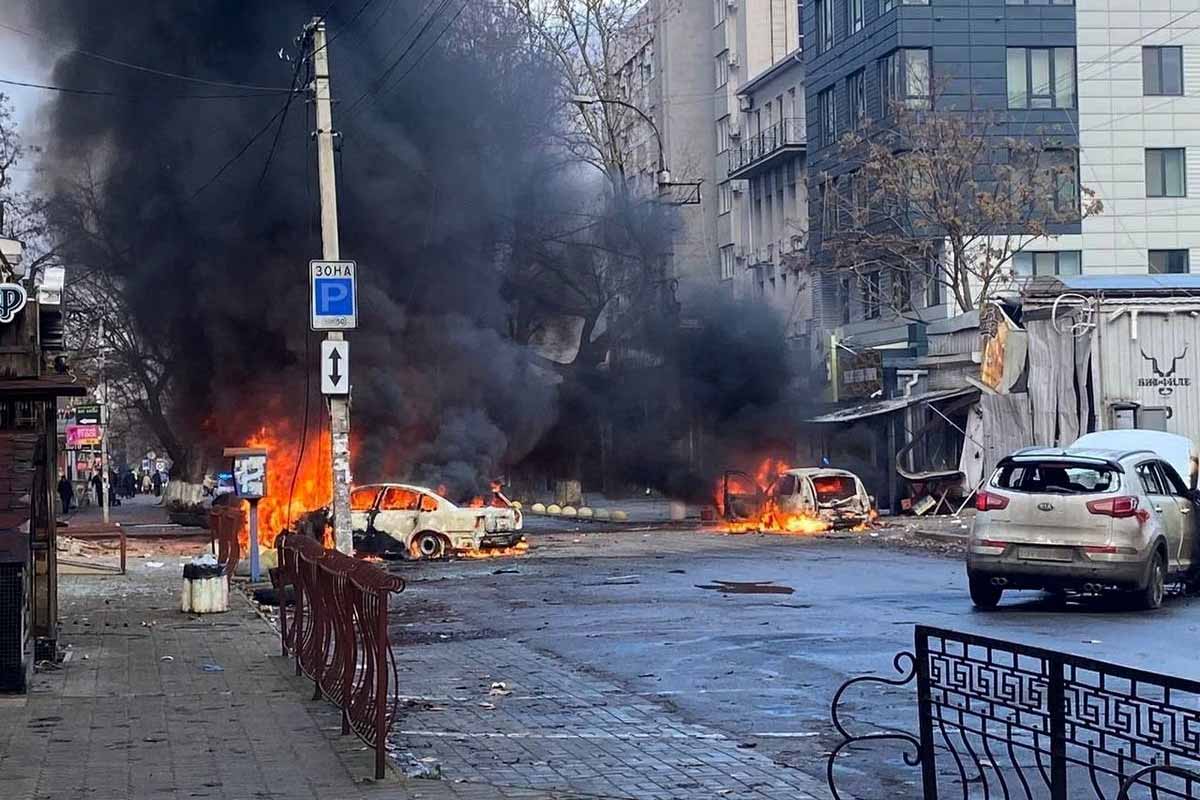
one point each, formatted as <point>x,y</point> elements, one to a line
<point>335,367</point>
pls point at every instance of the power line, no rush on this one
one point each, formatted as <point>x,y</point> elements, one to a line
<point>377,83</point>
<point>154,95</point>
<point>249,143</point>
<point>300,62</point>
<point>431,45</point>
<point>128,65</point>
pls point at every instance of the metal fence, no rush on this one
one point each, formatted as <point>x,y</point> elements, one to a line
<point>338,632</point>
<point>1003,720</point>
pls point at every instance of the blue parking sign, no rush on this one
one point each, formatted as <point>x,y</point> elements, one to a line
<point>333,295</point>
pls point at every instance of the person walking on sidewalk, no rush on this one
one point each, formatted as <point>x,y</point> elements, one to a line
<point>66,492</point>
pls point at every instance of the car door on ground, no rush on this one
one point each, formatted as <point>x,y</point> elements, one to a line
<point>1164,507</point>
<point>1173,484</point>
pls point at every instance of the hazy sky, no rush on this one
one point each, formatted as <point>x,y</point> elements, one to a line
<point>23,58</point>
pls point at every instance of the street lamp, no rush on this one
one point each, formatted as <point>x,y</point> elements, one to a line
<point>582,100</point>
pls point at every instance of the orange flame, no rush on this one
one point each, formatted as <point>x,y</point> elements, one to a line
<point>768,518</point>
<point>314,481</point>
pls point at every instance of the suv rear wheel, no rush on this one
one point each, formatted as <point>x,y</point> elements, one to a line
<point>1151,595</point>
<point>984,595</point>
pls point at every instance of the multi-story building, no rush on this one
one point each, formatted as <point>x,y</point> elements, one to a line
<point>666,76</point>
<point>719,122</point>
<point>759,117</point>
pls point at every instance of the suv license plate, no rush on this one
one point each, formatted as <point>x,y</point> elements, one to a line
<point>1044,553</point>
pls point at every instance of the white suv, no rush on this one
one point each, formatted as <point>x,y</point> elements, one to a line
<point>1082,519</point>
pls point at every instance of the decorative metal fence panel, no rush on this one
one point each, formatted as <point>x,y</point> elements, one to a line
<point>338,633</point>
<point>1003,720</point>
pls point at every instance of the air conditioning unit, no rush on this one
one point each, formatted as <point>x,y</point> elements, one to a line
<point>740,254</point>
<point>735,131</point>
<point>733,58</point>
<point>731,5</point>
<point>739,187</point>
<point>745,102</point>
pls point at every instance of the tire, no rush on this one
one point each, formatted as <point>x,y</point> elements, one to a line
<point>428,546</point>
<point>984,595</point>
<point>1150,596</point>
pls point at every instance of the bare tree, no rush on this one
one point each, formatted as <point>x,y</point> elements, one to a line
<point>22,212</point>
<point>944,195</point>
<point>106,334</point>
<point>593,45</point>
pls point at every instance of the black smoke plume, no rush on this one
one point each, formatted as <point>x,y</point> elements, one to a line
<point>441,170</point>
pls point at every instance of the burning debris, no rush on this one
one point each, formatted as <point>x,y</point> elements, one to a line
<point>780,499</point>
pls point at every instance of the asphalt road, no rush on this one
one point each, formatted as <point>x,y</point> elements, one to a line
<point>641,620</point>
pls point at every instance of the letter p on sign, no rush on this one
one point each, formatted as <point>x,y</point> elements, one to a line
<point>333,295</point>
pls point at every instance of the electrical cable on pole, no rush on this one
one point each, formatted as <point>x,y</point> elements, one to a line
<point>139,67</point>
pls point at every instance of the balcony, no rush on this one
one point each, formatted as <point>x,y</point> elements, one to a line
<point>762,151</point>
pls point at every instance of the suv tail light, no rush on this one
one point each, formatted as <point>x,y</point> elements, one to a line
<point>1118,507</point>
<point>986,501</point>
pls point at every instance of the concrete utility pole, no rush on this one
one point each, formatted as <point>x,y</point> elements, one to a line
<point>339,406</point>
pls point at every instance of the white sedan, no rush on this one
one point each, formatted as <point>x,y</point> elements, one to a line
<point>425,525</point>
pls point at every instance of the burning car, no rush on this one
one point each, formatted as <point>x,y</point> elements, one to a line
<point>806,500</point>
<point>425,525</point>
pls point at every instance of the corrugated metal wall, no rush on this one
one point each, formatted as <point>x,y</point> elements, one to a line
<point>1169,333</point>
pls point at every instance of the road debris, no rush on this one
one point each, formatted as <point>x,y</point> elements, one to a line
<point>746,587</point>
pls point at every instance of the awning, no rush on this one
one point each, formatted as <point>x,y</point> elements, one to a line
<point>877,407</point>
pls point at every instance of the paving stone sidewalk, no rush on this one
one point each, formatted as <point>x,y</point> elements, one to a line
<point>134,712</point>
<point>497,711</point>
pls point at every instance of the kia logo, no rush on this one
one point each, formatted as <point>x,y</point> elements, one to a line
<point>12,300</point>
<point>1046,506</point>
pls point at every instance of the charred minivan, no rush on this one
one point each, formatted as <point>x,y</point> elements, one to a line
<point>836,497</point>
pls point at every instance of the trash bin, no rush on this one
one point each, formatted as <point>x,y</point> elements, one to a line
<point>205,590</point>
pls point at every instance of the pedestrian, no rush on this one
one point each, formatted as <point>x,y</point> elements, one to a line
<point>146,485</point>
<point>158,483</point>
<point>65,491</point>
<point>98,488</point>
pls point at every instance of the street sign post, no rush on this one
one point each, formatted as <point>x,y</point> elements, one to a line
<point>335,367</point>
<point>88,414</point>
<point>333,295</point>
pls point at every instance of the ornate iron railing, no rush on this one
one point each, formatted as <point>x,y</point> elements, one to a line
<point>339,633</point>
<point>1008,721</point>
<point>785,133</point>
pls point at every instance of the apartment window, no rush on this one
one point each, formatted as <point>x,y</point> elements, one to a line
<point>1162,71</point>
<point>887,5</point>
<point>856,98</point>
<point>722,68</point>
<point>723,134</point>
<point>904,78</point>
<point>728,259</point>
<point>824,25</point>
<point>1041,77</point>
<point>828,202</point>
<point>800,28</point>
<point>901,289</point>
<point>1065,164</point>
<point>933,282</point>
<point>720,9</point>
<point>1048,262</point>
<point>828,106</point>
<point>870,295</point>
<point>725,201</point>
<point>1163,262</point>
<point>1166,172</point>
<point>854,16</point>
